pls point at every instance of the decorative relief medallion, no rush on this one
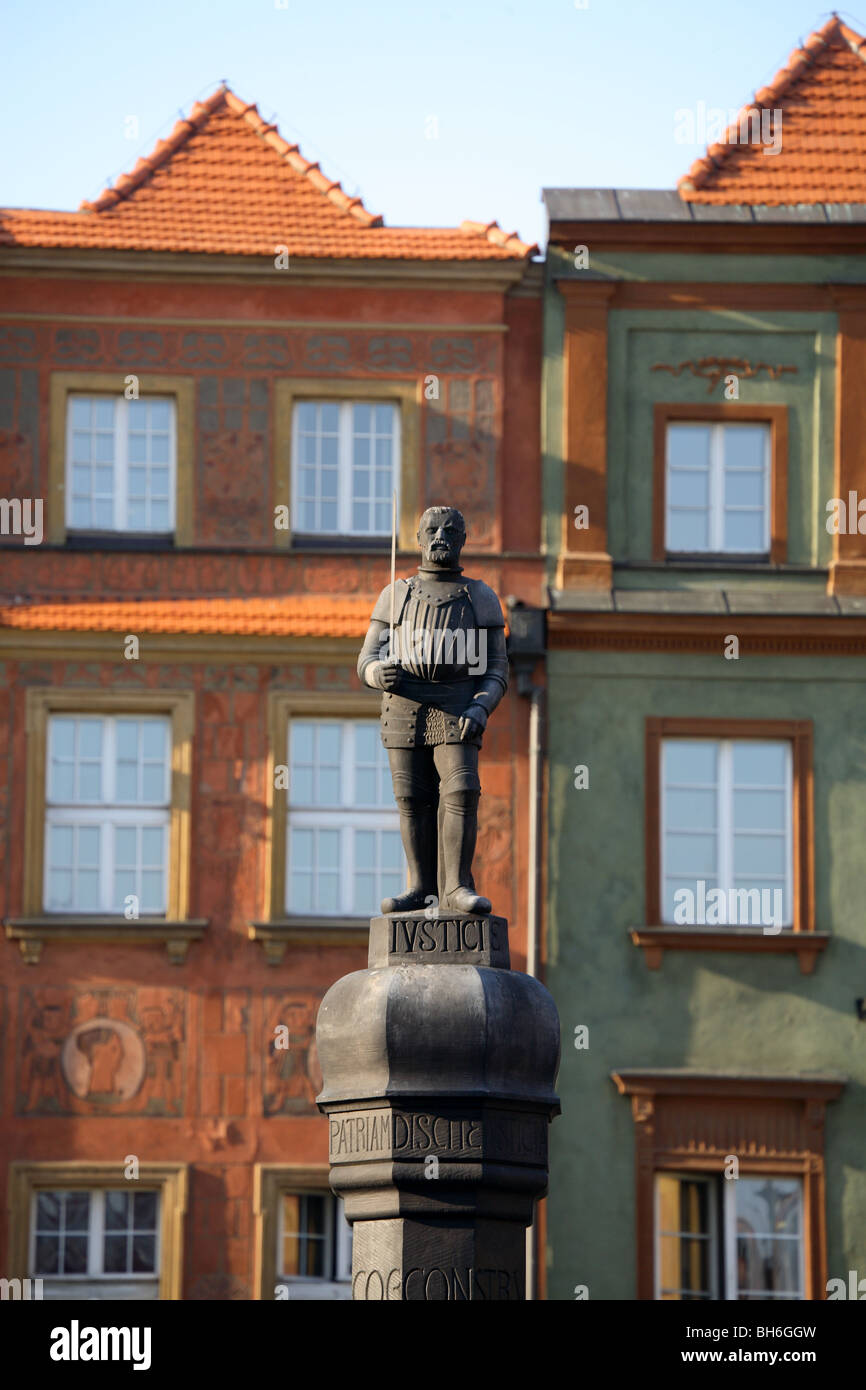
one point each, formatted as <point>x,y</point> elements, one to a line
<point>85,1052</point>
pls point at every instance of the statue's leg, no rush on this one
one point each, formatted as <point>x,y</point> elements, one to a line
<point>459,791</point>
<point>414,777</point>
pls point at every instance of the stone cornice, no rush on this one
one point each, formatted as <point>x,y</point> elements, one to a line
<point>770,634</point>
<point>497,276</point>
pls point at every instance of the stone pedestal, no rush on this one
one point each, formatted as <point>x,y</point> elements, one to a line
<point>439,1064</point>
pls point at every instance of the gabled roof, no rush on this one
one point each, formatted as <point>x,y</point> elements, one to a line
<point>821,94</point>
<point>226,183</point>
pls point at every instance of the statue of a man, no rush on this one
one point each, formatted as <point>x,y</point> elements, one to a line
<point>447,673</point>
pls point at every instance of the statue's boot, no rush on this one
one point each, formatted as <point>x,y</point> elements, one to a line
<point>459,833</point>
<point>464,900</point>
<point>419,835</point>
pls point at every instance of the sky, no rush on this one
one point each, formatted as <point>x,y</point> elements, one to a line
<point>432,110</point>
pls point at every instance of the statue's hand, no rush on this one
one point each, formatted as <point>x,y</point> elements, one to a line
<point>388,675</point>
<point>472,722</point>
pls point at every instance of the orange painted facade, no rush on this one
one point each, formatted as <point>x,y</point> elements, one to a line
<point>178,1063</point>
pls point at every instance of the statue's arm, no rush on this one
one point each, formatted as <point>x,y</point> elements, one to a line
<point>491,685</point>
<point>370,661</point>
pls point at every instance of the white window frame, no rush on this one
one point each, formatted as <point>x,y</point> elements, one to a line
<point>344,463</point>
<point>341,818</point>
<point>728,1290</point>
<point>725,827</point>
<point>716,503</point>
<point>337,1281</point>
<point>95,1234</point>
<point>711,1236</point>
<point>107,815</point>
<point>729,1207</point>
<point>122,465</point>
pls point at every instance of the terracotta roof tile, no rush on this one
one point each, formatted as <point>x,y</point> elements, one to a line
<point>303,616</point>
<point>225,182</point>
<point>821,93</point>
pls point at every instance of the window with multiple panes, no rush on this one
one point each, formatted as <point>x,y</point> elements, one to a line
<point>107,811</point>
<point>345,467</point>
<point>121,459</point>
<point>726,823</point>
<point>99,1243</point>
<point>344,848</point>
<point>314,1255</point>
<point>717,489</point>
<point>737,1239</point>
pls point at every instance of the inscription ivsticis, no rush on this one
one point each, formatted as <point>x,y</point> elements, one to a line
<point>444,935</point>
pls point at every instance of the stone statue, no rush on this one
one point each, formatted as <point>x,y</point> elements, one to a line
<point>443,672</point>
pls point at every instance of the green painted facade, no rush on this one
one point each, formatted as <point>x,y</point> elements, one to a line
<point>707,1011</point>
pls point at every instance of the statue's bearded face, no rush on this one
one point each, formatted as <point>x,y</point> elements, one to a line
<point>442,538</point>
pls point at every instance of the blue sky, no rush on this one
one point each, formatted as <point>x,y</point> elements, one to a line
<point>433,112</point>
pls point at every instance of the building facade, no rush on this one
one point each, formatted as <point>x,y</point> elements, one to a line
<point>213,380</point>
<point>703,478</point>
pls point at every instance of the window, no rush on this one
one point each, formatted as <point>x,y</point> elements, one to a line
<point>347,465</point>
<point>107,820</point>
<point>121,461</point>
<point>718,488</point>
<point>729,839</point>
<point>344,850</point>
<point>720,482</point>
<point>89,1233</point>
<point>702,1232</point>
<point>314,1257</point>
<point>107,813</point>
<point>96,1243</point>
<point>736,1240</point>
<point>727,832</point>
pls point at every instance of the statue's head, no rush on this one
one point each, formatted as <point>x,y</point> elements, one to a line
<point>441,535</point>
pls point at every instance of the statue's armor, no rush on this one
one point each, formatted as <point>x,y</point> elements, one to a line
<point>441,632</point>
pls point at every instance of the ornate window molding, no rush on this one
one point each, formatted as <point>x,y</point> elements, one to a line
<point>692,1122</point>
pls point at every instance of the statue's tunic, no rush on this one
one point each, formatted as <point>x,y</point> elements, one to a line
<point>449,640</point>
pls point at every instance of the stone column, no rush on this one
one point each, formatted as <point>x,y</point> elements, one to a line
<point>439,1066</point>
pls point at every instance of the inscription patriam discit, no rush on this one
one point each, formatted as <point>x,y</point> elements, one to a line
<point>443,934</point>
<point>387,1132</point>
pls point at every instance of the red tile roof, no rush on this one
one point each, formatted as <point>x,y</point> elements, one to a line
<point>226,183</point>
<point>302,616</point>
<point>822,96</point>
<point>821,93</point>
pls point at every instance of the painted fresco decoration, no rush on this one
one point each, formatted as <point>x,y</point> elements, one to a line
<point>715,369</point>
<point>302,349</point>
<point>104,1049</point>
<point>292,1078</point>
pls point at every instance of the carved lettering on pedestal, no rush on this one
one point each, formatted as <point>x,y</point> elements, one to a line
<point>436,1285</point>
<point>517,1137</point>
<point>403,1135</point>
<point>443,935</point>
